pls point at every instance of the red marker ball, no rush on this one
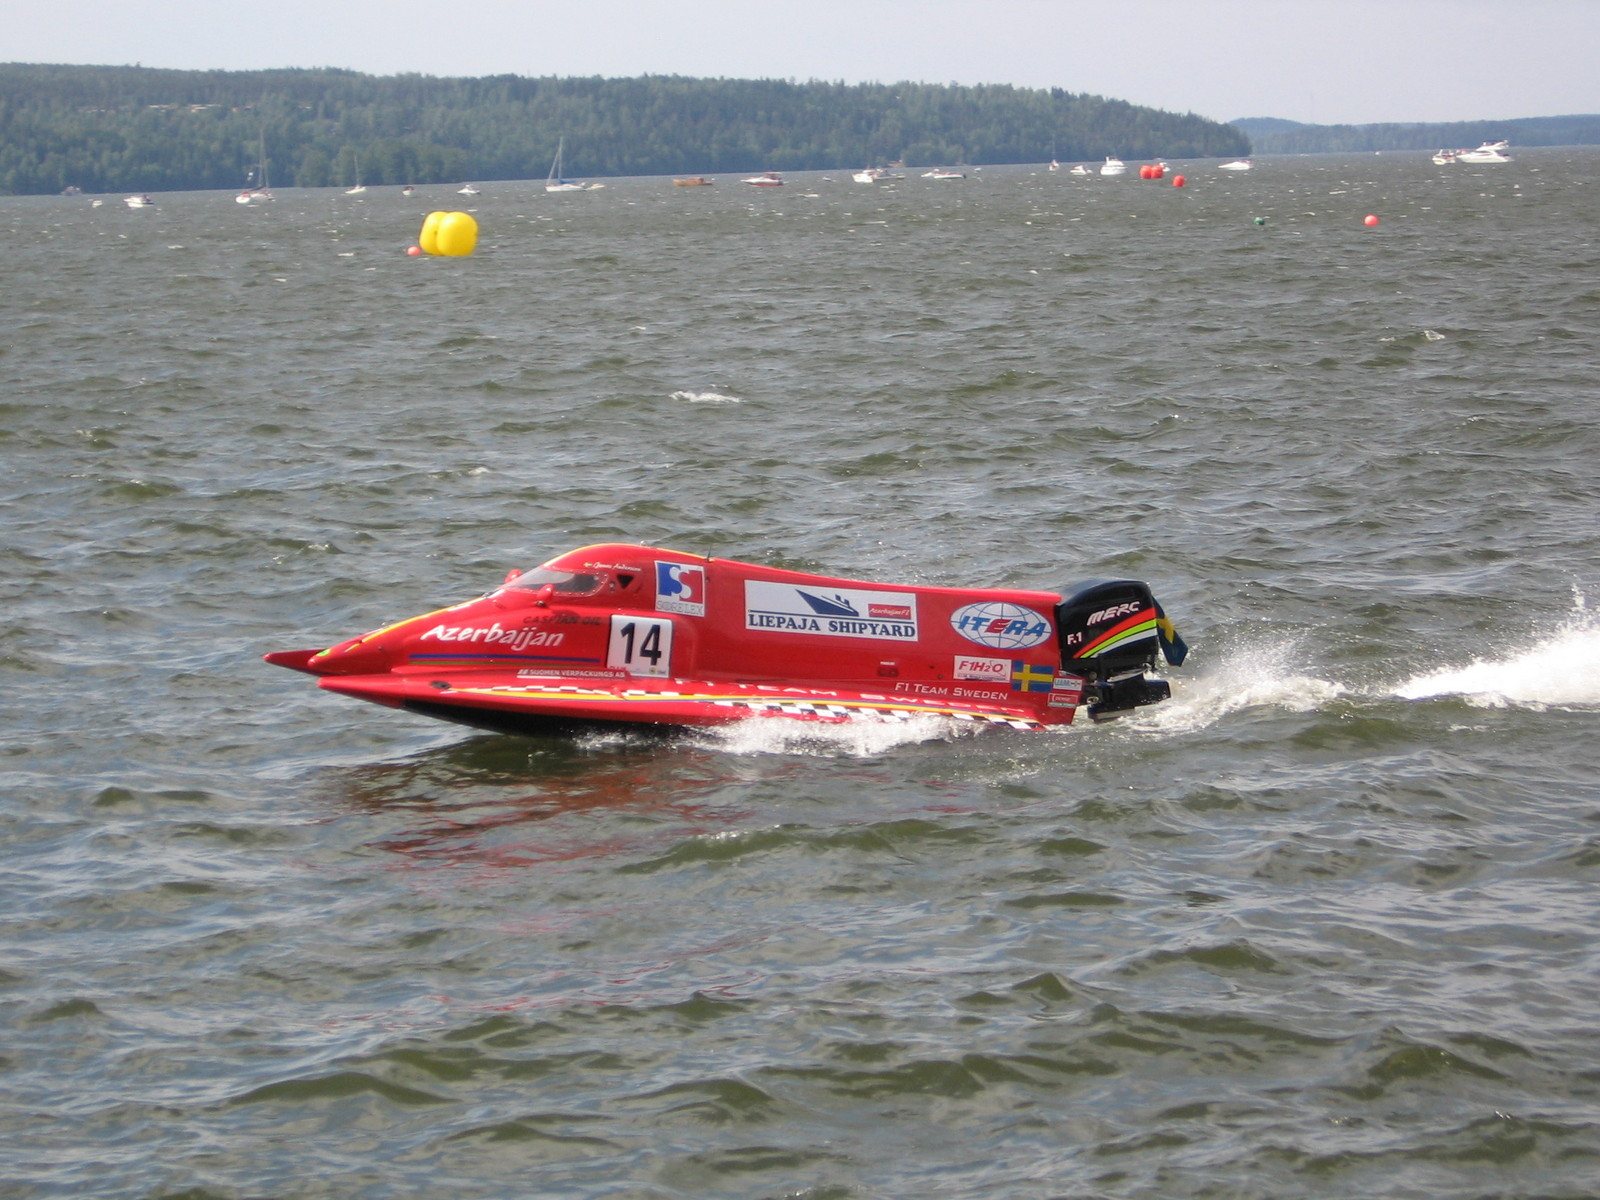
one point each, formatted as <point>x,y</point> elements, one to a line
<point>1178,181</point>
<point>1371,219</point>
<point>413,250</point>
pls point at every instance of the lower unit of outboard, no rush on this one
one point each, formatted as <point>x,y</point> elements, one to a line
<point>1111,631</point>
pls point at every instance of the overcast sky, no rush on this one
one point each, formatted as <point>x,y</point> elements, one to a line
<point>1323,61</point>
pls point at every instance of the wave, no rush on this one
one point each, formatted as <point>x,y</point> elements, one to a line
<point>706,397</point>
<point>848,739</point>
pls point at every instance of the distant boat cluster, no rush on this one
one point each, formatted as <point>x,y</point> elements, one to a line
<point>257,188</point>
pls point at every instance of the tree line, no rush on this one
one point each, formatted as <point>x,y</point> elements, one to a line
<point>111,129</point>
<point>1274,136</point>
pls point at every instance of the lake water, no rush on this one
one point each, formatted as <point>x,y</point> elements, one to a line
<point>1324,925</point>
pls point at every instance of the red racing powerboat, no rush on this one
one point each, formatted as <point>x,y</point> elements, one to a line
<point>620,635</point>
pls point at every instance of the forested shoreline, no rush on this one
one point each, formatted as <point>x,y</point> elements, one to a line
<point>109,129</point>
<point>1273,136</point>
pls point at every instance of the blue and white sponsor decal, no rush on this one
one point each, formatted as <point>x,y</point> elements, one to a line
<point>681,588</point>
<point>1067,690</point>
<point>839,612</point>
<point>1000,624</point>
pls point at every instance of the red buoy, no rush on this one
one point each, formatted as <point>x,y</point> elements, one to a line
<point>1372,219</point>
<point>1178,181</point>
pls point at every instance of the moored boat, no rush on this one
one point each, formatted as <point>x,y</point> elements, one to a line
<point>554,181</point>
<point>765,179</point>
<point>618,635</point>
<point>1113,166</point>
<point>256,186</point>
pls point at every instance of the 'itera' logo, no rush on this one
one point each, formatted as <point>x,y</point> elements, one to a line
<point>1000,624</point>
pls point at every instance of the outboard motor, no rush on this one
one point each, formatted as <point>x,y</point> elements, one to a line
<point>1111,631</point>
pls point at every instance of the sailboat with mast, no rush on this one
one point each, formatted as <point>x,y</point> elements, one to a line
<point>554,182</point>
<point>359,187</point>
<point>256,188</point>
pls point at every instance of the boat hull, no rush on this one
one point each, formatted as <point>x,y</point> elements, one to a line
<point>557,705</point>
<point>622,635</point>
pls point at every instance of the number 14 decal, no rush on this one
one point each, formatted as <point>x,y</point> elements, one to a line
<point>640,645</point>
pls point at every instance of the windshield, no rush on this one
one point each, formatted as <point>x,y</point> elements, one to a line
<point>566,583</point>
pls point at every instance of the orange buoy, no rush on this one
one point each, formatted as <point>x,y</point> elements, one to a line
<point>413,250</point>
<point>1178,181</point>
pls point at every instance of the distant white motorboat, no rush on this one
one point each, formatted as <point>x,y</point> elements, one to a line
<point>468,189</point>
<point>765,179</point>
<point>1445,157</point>
<point>1079,169</point>
<point>1489,152</point>
<point>141,201</point>
<point>870,175</point>
<point>943,173</point>
<point>1239,164</point>
<point>1113,166</point>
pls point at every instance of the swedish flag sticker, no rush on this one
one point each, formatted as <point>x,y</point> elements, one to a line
<point>1025,677</point>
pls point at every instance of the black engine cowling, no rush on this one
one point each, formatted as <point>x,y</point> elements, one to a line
<point>1111,631</point>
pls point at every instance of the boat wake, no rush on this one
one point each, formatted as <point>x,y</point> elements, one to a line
<point>1559,670</point>
<point>1259,676</point>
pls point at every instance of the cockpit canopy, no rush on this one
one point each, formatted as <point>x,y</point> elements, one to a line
<point>564,583</point>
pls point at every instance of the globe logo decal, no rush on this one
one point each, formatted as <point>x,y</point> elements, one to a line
<point>1000,625</point>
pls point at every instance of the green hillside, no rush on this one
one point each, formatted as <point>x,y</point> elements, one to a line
<point>110,129</point>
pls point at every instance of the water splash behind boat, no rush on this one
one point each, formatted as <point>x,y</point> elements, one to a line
<point>1558,670</point>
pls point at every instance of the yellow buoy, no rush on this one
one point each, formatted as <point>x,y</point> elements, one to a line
<point>428,238</point>
<point>456,236</point>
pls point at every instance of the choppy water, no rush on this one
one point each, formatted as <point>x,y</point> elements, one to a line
<point>1322,926</point>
